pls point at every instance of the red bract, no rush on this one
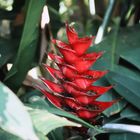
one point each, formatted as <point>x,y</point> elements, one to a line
<point>73,90</point>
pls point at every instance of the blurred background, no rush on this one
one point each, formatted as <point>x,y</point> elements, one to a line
<point>25,40</point>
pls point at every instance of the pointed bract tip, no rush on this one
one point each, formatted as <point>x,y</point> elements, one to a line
<point>53,41</point>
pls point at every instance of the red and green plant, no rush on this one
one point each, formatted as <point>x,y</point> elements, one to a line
<point>79,89</point>
<point>73,90</point>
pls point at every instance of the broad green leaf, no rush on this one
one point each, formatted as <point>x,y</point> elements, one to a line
<point>8,136</point>
<point>125,45</point>
<point>57,134</point>
<point>128,39</point>
<point>124,136</point>
<point>130,113</point>
<point>122,44</point>
<point>132,56</point>
<point>28,45</point>
<point>112,94</point>
<point>45,122</point>
<point>127,72</point>
<point>38,102</point>
<point>41,136</point>
<point>127,87</point>
<point>13,115</point>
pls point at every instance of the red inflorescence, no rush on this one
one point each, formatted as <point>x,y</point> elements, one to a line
<point>74,91</point>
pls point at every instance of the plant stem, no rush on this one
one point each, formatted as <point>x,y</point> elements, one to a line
<point>102,29</point>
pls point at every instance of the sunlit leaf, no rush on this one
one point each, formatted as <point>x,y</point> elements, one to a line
<point>38,102</point>
<point>45,122</point>
<point>13,115</point>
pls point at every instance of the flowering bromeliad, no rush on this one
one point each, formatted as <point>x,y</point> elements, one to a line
<point>74,91</point>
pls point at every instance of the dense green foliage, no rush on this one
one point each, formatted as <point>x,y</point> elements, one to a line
<point>24,45</point>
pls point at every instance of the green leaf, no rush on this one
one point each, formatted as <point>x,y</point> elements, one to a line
<point>13,115</point>
<point>122,44</point>
<point>8,136</point>
<point>28,45</point>
<point>41,136</point>
<point>127,87</point>
<point>112,94</point>
<point>132,56</point>
<point>128,38</point>
<point>130,113</point>
<point>124,136</point>
<point>45,122</point>
<point>57,134</point>
<point>38,102</point>
<point>127,72</point>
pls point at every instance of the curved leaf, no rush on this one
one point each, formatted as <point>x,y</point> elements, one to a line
<point>127,87</point>
<point>132,56</point>
<point>28,45</point>
<point>50,121</point>
<point>38,102</point>
<point>131,113</point>
<point>13,116</point>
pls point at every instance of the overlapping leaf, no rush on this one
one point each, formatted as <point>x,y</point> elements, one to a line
<point>13,115</point>
<point>28,45</point>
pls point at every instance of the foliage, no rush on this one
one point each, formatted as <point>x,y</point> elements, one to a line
<point>23,44</point>
<point>28,44</point>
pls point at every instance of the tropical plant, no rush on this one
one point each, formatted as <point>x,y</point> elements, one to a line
<point>25,45</point>
<point>74,91</point>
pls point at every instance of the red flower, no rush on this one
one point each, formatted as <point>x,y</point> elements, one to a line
<point>74,91</point>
